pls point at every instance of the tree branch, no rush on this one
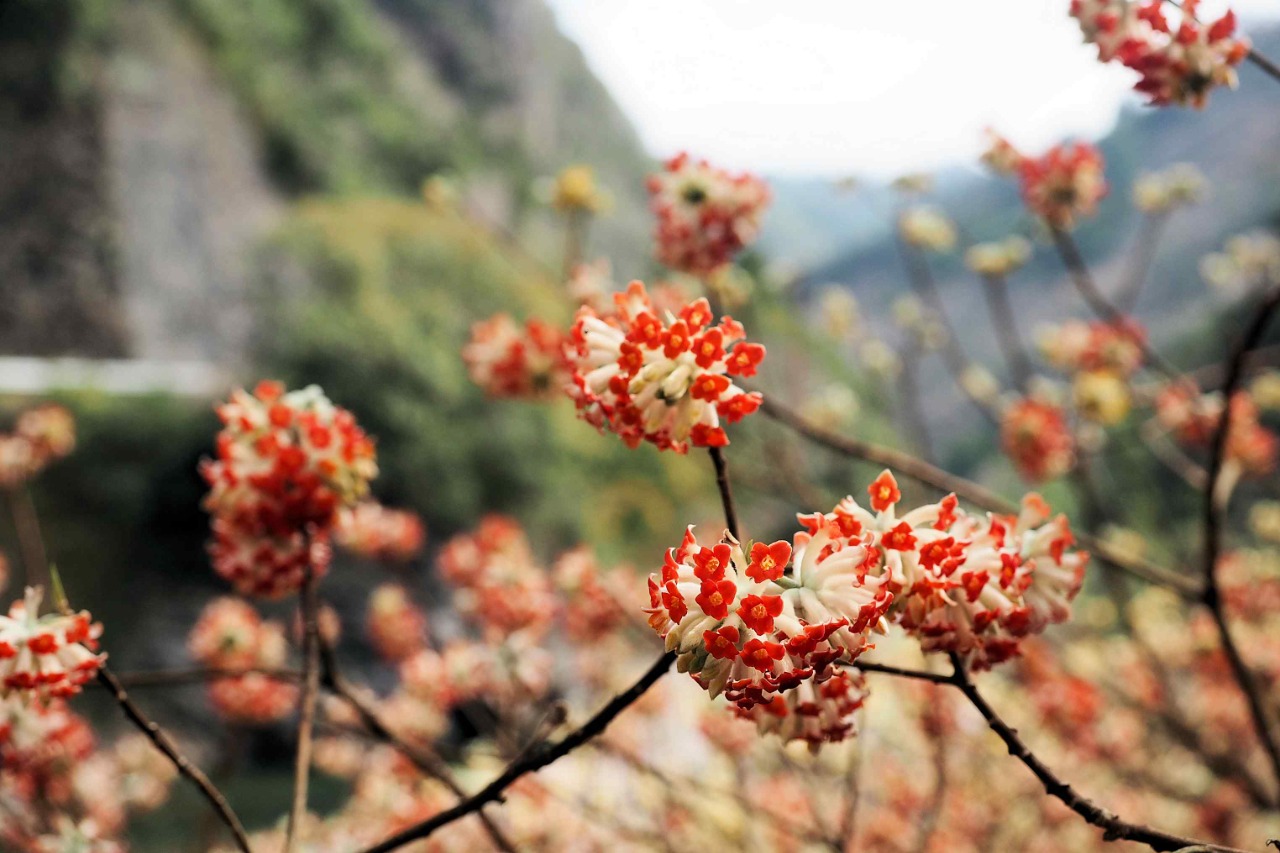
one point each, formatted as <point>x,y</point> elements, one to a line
<point>1114,829</point>
<point>306,710</point>
<point>165,744</point>
<point>1215,508</point>
<point>931,475</point>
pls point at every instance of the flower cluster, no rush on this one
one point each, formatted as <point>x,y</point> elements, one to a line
<point>1035,436</point>
<point>1193,419</point>
<point>1061,185</point>
<point>1177,65</point>
<point>1079,346</point>
<point>704,215</point>
<point>665,380</point>
<point>1159,193</point>
<point>497,582</point>
<point>927,228</point>
<point>575,190</point>
<point>230,635</point>
<point>41,435</point>
<point>999,258</point>
<point>397,627</point>
<point>47,656</point>
<point>1247,261</point>
<point>510,360</point>
<point>372,530</point>
<point>286,464</point>
<point>766,624</point>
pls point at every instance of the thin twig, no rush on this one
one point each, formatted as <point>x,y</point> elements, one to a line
<point>165,744</point>
<point>1215,508</point>
<point>726,492</point>
<point>931,475</point>
<point>922,282</point>
<point>1144,252</point>
<point>1006,326</point>
<point>1083,281</point>
<point>537,758</point>
<point>1114,829</point>
<point>26,523</point>
<point>337,683</point>
<point>197,675</point>
<point>306,711</point>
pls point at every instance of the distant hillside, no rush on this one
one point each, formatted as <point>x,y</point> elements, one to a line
<point>155,143</point>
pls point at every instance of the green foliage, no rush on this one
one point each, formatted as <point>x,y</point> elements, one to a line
<point>337,106</point>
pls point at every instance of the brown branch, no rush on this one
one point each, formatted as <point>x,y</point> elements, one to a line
<point>165,744</point>
<point>197,675</point>
<point>1144,253</point>
<point>1215,509</point>
<point>1114,829</point>
<point>922,282</point>
<point>535,760</point>
<point>726,493</point>
<point>26,523</point>
<point>540,756</point>
<point>1006,326</point>
<point>336,683</point>
<point>1080,276</point>
<point>306,710</point>
<point>931,475</point>
<point>1271,69</point>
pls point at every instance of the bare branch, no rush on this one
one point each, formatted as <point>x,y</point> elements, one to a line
<point>165,744</point>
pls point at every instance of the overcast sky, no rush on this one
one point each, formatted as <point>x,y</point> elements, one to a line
<point>850,86</point>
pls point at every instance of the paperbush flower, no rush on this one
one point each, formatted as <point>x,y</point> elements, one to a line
<point>744,626</point>
<point>379,533</point>
<point>704,215</point>
<point>231,635</point>
<point>514,361</point>
<point>927,228</point>
<point>575,191</point>
<point>498,583</point>
<point>1194,418</point>
<point>666,380</point>
<point>1060,186</point>
<point>1162,192</point>
<point>999,258</point>
<point>1078,345</point>
<point>396,627</point>
<point>41,435</point>
<point>253,698</point>
<point>1035,437</point>
<point>47,656</point>
<point>592,598</point>
<point>286,464</point>
<point>1177,64</point>
<point>765,624</point>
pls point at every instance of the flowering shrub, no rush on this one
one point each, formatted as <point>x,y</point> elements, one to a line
<point>524,667</point>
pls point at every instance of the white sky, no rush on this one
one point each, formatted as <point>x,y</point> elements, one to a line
<point>850,86</point>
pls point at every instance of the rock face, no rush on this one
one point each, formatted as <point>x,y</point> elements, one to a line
<point>133,201</point>
<point>190,196</point>
<point>58,287</point>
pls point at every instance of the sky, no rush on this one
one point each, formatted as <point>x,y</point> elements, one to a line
<point>851,86</point>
